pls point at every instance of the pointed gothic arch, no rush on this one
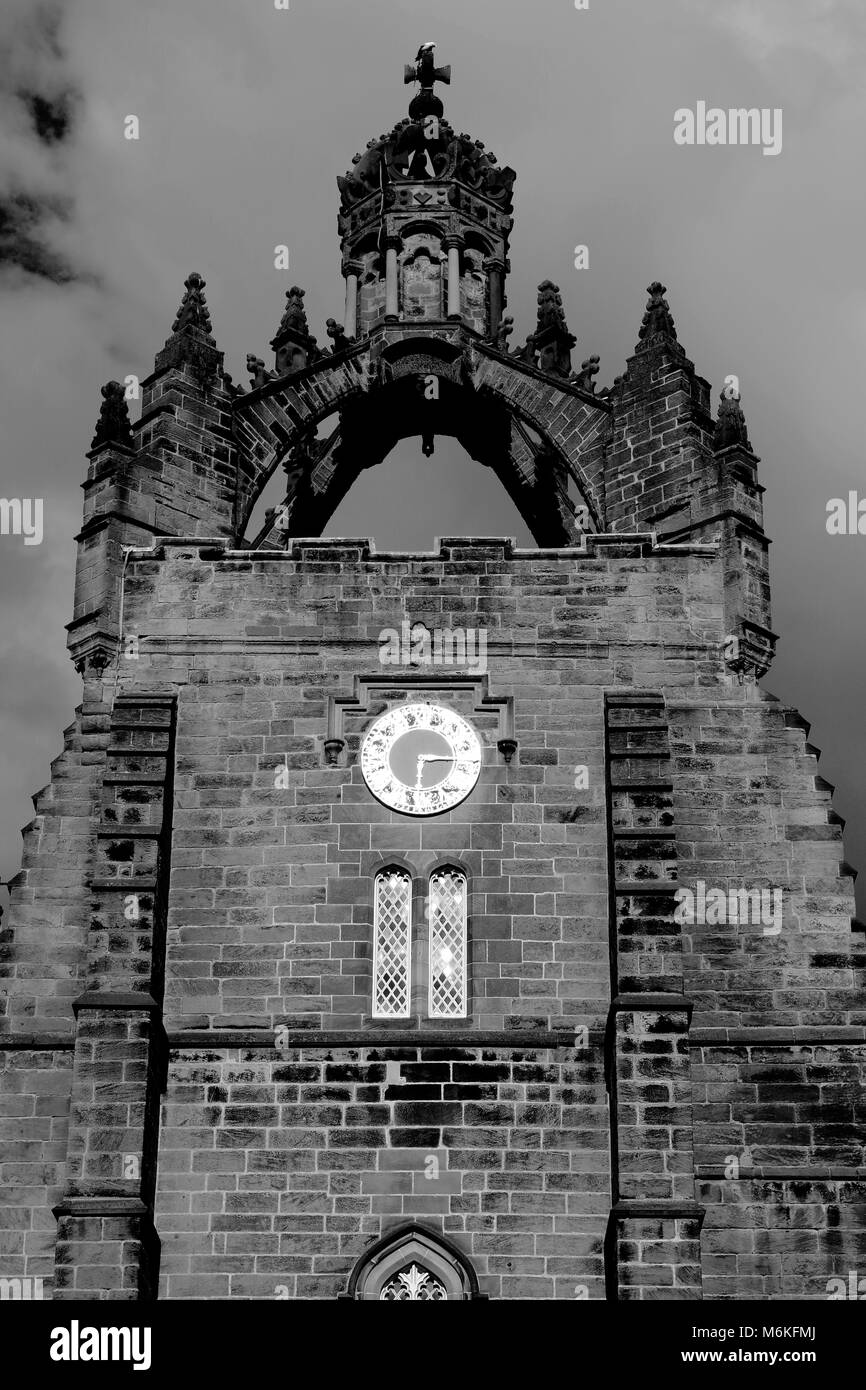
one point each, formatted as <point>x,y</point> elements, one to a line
<point>413,1264</point>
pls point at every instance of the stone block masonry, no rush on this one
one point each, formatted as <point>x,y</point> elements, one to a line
<point>623,1095</point>
<point>276,1174</point>
<point>204,1095</point>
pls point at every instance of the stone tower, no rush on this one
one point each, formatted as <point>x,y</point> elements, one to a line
<point>465,924</point>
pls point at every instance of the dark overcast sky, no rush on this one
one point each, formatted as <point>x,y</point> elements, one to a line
<point>247,115</point>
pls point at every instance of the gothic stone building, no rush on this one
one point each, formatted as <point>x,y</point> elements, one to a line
<point>349,957</point>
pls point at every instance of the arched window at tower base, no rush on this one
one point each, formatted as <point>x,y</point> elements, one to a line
<point>413,1265</point>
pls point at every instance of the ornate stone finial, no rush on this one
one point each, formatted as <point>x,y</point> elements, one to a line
<point>731,423</point>
<point>425,72</point>
<point>550,310</point>
<point>259,373</point>
<point>658,322</point>
<point>337,334</point>
<point>588,370</point>
<point>113,426</point>
<point>193,311</point>
<point>294,315</point>
<point>553,341</point>
<point>293,344</point>
<point>191,344</point>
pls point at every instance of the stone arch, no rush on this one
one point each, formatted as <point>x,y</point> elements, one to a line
<point>419,226</point>
<point>413,1247</point>
<point>364,391</point>
<point>338,468</point>
<point>475,240</point>
<point>368,242</point>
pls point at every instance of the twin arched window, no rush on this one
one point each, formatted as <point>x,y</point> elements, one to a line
<point>440,952</point>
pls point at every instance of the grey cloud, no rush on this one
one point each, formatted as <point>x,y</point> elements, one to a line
<point>39,101</point>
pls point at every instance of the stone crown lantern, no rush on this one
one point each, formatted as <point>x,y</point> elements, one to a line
<point>425,221</point>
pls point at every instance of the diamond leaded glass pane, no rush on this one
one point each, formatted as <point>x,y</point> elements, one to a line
<point>391,945</point>
<point>414,1285</point>
<point>447,944</point>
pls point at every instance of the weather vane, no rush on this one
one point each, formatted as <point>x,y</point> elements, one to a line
<point>425,72</point>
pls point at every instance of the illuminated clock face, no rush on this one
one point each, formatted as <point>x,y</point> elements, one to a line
<point>421,759</point>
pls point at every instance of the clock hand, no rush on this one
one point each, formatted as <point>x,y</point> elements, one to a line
<point>430,758</point>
